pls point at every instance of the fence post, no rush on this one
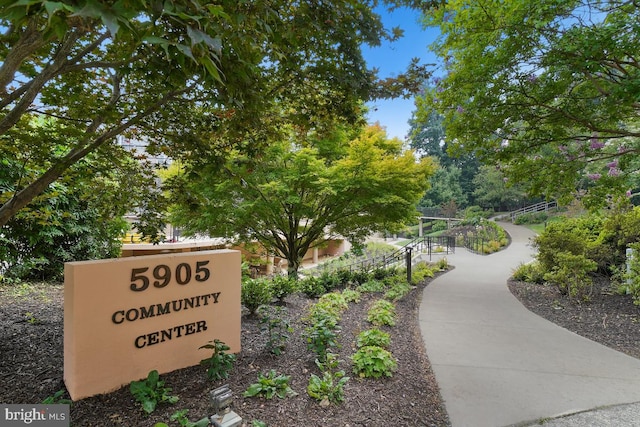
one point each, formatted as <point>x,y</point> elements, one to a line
<point>408,261</point>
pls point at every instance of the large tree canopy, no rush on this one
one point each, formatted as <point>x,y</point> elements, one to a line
<point>303,190</point>
<point>548,89</point>
<point>157,71</point>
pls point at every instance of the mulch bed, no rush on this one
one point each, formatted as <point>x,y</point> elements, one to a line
<point>31,369</point>
<point>608,318</point>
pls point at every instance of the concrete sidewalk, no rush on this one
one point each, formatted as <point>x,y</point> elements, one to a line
<point>498,364</point>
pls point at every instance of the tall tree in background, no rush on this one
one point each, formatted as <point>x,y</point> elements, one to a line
<point>303,190</point>
<point>493,191</point>
<point>454,180</point>
<point>139,69</point>
<point>547,89</point>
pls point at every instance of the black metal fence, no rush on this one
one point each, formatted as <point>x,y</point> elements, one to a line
<point>427,245</point>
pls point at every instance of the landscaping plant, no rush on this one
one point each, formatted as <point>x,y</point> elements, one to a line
<point>219,364</point>
<point>151,391</point>
<point>373,362</point>
<point>276,326</point>
<point>374,337</point>
<point>270,385</point>
<point>329,388</point>
<point>382,312</point>
<point>254,293</point>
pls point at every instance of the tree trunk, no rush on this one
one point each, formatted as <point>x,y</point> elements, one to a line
<point>292,268</point>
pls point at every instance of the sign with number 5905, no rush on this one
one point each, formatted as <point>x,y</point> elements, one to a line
<point>161,275</point>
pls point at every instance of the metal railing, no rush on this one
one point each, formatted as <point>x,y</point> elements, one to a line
<point>538,207</point>
<point>426,245</point>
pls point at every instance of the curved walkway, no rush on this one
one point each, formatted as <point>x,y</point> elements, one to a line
<point>498,364</point>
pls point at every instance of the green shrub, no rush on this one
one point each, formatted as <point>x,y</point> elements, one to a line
<point>442,264</point>
<point>273,321</point>
<point>181,418</point>
<point>631,279</point>
<point>360,276</point>
<point>569,235</point>
<point>373,362</point>
<point>571,275</point>
<point>372,285</point>
<point>271,385</point>
<point>321,336</point>
<point>282,286</point>
<point>531,218</point>
<point>335,300</point>
<point>373,337</point>
<point>420,272</point>
<point>219,364</point>
<point>344,276</point>
<point>397,291</point>
<point>329,281</point>
<point>254,293</point>
<point>150,392</point>
<point>530,272</point>
<point>382,313</point>
<point>351,295</point>
<point>312,287</point>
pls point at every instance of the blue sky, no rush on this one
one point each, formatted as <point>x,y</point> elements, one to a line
<point>391,59</point>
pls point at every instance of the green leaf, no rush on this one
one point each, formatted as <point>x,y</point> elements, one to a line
<point>253,390</point>
<point>149,406</point>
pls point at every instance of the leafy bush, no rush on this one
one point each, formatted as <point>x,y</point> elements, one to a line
<point>351,295</point>
<point>531,218</point>
<point>312,287</point>
<point>329,281</point>
<point>372,285</point>
<point>62,225</point>
<point>442,264</point>
<point>373,362</point>
<point>254,293</point>
<point>359,277</point>
<point>344,276</point>
<point>334,300</point>
<point>219,364</point>
<point>282,286</point>
<point>382,313</point>
<point>631,284</point>
<point>420,272</point>
<point>571,275</point>
<point>276,326</point>
<point>373,337</point>
<point>151,391</point>
<point>321,336</point>
<point>271,385</point>
<point>570,235</point>
<point>530,272</point>
<point>397,291</point>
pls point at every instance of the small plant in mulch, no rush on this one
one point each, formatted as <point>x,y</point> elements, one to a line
<point>373,362</point>
<point>219,364</point>
<point>330,387</point>
<point>269,385</point>
<point>374,337</point>
<point>255,293</point>
<point>181,418</point>
<point>276,326</point>
<point>321,336</point>
<point>382,312</point>
<point>151,391</point>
